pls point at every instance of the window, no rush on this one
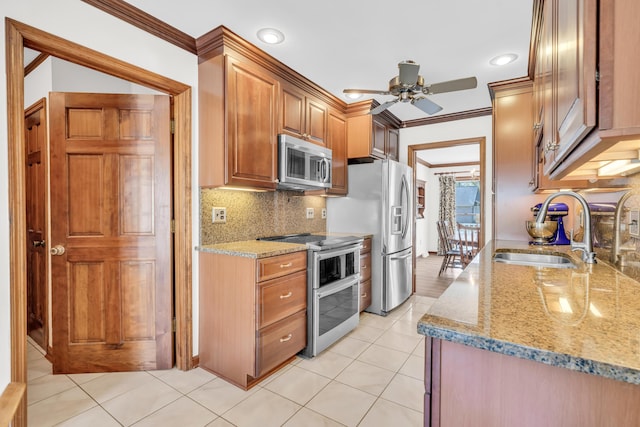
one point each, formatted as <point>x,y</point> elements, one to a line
<point>468,202</point>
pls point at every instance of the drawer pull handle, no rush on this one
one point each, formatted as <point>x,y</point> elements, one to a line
<point>363,267</point>
<point>364,295</point>
<point>287,295</point>
<point>287,338</point>
<point>289,264</point>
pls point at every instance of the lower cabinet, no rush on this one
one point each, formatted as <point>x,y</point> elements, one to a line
<point>252,314</point>
<point>365,274</point>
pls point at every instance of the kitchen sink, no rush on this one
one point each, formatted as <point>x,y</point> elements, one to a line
<point>534,259</point>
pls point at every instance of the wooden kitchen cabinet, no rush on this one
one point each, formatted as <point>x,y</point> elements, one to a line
<point>252,314</point>
<point>238,104</point>
<point>371,137</point>
<point>303,116</point>
<point>365,274</point>
<point>588,58</point>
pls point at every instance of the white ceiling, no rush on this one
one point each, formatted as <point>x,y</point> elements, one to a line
<point>358,43</point>
<point>451,155</point>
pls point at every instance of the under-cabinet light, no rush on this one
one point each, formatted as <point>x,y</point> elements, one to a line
<point>619,167</point>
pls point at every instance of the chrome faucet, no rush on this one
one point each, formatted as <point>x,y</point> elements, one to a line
<point>586,246</point>
<point>615,242</point>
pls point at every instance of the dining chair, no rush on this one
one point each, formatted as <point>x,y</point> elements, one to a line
<point>451,253</point>
<point>468,238</point>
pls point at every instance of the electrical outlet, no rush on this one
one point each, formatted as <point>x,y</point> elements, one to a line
<point>634,226</point>
<point>324,213</point>
<point>310,213</point>
<point>219,215</point>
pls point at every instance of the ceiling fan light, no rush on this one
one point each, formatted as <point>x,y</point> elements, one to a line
<point>504,59</point>
<point>270,35</point>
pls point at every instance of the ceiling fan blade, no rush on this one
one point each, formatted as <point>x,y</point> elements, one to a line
<point>380,108</point>
<point>373,91</point>
<point>408,75</point>
<point>451,86</point>
<point>426,105</point>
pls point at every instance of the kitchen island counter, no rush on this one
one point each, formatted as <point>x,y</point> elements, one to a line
<point>512,344</point>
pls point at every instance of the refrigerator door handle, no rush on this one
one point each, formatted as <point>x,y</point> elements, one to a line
<point>405,187</point>
<point>401,257</point>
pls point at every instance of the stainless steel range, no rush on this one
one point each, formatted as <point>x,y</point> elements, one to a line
<point>333,280</point>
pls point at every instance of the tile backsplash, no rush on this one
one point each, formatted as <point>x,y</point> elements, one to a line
<point>253,214</point>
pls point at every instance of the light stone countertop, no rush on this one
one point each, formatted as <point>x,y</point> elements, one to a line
<point>585,319</point>
<point>264,248</point>
<point>252,248</point>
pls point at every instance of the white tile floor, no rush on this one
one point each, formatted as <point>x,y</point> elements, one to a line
<point>372,377</point>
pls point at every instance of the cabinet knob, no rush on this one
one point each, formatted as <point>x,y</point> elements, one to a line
<point>550,146</point>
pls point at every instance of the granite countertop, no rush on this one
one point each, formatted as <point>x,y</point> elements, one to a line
<point>252,248</point>
<point>586,319</point>
<point>264,248</point>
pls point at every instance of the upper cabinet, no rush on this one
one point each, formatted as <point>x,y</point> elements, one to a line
<point>246,98</point>
<point>371,137</point>
<point>586,66</point>
<point>303,116</point>
<point>238,103</point>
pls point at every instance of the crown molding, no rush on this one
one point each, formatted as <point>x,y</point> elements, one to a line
<point>462,115</point>
<point>138,18</point>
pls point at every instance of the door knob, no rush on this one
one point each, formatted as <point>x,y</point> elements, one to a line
<point>38,243</point>
<point>57,250</point>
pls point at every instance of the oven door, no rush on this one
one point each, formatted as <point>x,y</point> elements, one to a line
<point>335,312</point>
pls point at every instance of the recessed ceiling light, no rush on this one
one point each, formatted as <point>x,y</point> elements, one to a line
<point>353,95</point>
<point>504,59</point>
<point>270,35</point>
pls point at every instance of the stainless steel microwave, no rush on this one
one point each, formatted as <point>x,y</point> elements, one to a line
<point>302,165</point>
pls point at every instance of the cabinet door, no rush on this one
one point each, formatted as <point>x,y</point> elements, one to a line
<point>316,122</point>
<point>252,100</point>
<point>393,144</point>
<point>293,110</point>
<point>337,141</point>
<point>576,72</point>
<point>378,141</point>
<point>549,137</point>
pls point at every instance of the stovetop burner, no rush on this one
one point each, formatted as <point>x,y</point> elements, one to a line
<point>315,241</point>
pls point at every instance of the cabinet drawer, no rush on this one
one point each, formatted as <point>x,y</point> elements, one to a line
<point>281,265</point>
<point>365,267</point>
<point>366,246</point>
<point>278,342</point>
<point>281,297</point>
<point>365,294</point>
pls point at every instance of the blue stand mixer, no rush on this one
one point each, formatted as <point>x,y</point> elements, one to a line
<point>555,213</point>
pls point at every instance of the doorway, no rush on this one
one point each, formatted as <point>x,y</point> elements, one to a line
<point>19,36</point>
<point>449,158</point>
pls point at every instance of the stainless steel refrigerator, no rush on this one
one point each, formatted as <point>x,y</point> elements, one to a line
<point>380,203</point>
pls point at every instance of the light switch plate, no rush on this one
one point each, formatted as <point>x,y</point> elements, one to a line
<point>310,213</point>
<point>634,227</point>
<point>219,215</point>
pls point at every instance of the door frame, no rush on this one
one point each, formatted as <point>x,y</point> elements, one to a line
<point>19,36</point>
<point>413,160</point>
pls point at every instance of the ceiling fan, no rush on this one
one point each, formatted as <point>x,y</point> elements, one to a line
<point>409,86</point>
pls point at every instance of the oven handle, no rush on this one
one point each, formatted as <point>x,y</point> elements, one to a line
<point>338,286</point>
<point>330,253</point>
